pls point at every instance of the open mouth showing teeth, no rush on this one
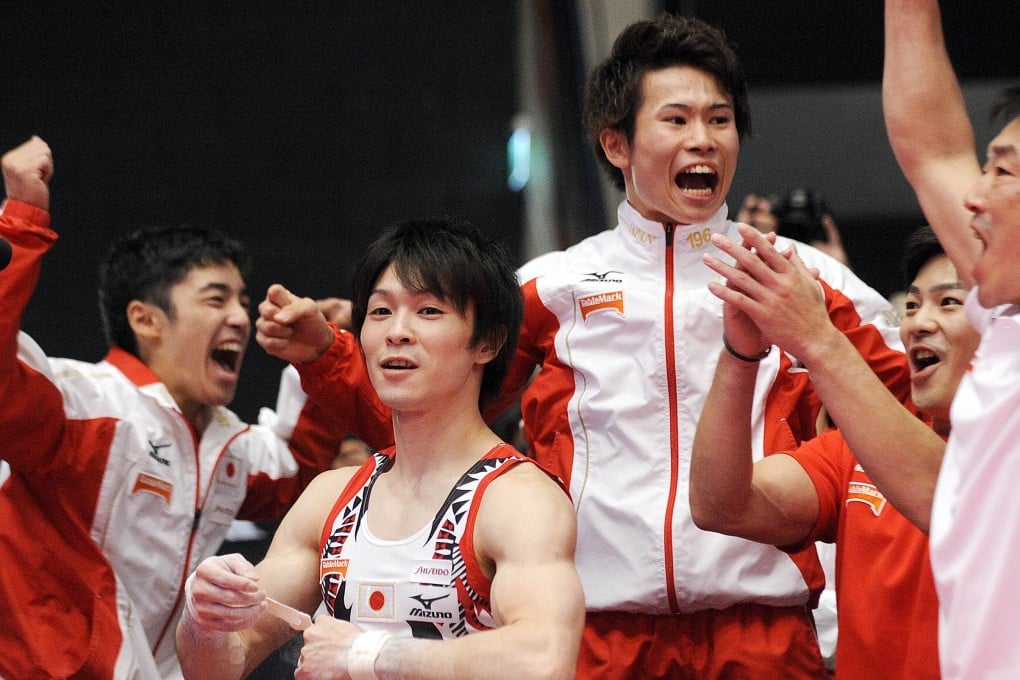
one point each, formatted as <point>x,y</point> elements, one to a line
<point>922,359</point>
<point>398,365</point>
<point>228,359</point>
<point>699,180</point>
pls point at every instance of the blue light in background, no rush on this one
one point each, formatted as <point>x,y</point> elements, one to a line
<point>518,149</point>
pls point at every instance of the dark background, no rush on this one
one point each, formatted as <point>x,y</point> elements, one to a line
<point>302,128</point>
<point>828,41</point>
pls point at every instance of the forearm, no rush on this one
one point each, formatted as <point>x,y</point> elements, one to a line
<point>339,382</point>
<point>33,416</point>
<point>927,122</point>
<point>921,98</point>
<point>26,229</point>
<point>210,655</point>
<point>721,463</point>
<point>900,452</point>
<point>507,653</point>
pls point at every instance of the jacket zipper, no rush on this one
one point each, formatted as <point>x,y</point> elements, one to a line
<point>674,435</point>
<point>191,539</point>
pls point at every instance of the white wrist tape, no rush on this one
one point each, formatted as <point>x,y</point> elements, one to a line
<point>189,598</point>
<point>362,654</point>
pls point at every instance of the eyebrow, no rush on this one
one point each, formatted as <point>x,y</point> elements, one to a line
<point>221,287</point>
<point>414,295</point>
<point>940,288</point>
<point>690,107</point>
<point>1002,150</point>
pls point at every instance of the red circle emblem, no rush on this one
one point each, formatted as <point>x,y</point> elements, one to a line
<point>376,600</point>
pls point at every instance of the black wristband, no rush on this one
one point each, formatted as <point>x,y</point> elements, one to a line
<point>751,360</point>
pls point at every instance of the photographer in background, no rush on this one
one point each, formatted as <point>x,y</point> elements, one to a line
<point>801,215</point>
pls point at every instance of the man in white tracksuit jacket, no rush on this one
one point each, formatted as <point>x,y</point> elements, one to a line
<point>625,336</point>
<point>124,474</point>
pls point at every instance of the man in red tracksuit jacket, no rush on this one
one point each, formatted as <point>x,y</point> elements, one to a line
<point>124,474</point>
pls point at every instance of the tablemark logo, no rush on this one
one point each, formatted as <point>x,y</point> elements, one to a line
<point>601,302</point>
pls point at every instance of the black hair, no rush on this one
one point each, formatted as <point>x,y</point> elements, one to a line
<point>1008,105</point>
<point>451,259</point>
<point>920,247</point>
<point>146,264</point>
<point>613,93</point>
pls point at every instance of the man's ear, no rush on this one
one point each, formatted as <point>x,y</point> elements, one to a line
<point>488,348</point>
<point>146,319</point>
<point>616,147</point>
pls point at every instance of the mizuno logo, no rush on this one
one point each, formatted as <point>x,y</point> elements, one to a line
<point>604,277</point>
<point>154,453</point>
<point>428,614</point>
<point>427,601</point>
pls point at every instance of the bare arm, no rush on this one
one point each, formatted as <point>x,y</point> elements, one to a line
<point>771,501</point>
<point>225,632</point>
<point>536,592</point>
<point>901,454</point>
<point>928,126</point>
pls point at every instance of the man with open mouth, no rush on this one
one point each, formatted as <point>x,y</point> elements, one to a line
<point>125,473</point>
<point>617,350</point>
<point>888,609</point>
<point>975,210</point>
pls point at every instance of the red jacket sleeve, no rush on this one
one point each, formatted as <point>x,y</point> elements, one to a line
<point>31,402</point>
<point>338,381</point>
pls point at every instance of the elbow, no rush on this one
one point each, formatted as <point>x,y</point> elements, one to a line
<point>701,515</point>
<point>706,512</point>
<point>919,515</point>
<point>552,655</point>
<point>551,666</point>
<point>705,515</point>
<point>721,512</point>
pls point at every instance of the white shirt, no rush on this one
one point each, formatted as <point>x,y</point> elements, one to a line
<point>975,522</point>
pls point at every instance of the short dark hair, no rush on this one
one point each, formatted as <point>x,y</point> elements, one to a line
<point>613,93</point>
<point>1008,105</point>
<point>920,247</point>
<point>145,264</point>
<point>450,258</point>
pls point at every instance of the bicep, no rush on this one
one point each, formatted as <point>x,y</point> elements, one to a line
<point>535,579</point>
<point>290,570</point>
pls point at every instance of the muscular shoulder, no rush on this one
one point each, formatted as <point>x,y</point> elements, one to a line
<point>328,485</point>
<point>525,509</point>
<point>304,521</point>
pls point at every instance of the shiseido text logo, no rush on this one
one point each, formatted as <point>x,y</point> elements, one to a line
<point>431,571</point>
